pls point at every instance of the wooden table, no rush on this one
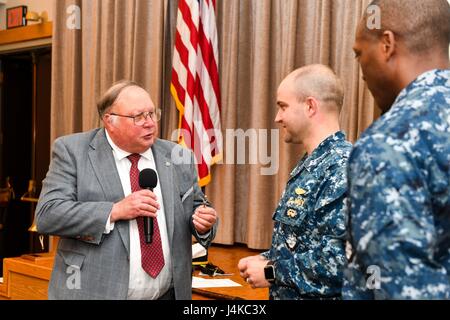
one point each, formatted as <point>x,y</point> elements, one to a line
<point>26,278</point>
<point>227,258</point>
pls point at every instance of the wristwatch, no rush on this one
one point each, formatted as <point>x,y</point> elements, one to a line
<point>269,272</point>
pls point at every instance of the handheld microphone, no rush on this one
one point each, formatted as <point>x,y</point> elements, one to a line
<point>148,180</point>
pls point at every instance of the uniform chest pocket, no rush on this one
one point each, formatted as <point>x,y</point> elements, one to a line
<point>292,225</point>
<point>293,213</point>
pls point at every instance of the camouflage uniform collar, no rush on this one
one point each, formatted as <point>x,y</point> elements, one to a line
<point>435,76</point>
<point>316,157</point>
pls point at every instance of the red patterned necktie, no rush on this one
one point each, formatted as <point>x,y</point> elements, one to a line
<point>152,257</point>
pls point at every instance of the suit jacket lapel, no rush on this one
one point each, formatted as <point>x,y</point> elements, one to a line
<point>102,161</point>
<point>165,173</point>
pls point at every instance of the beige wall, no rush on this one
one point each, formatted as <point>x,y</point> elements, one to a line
<point>33,5</point>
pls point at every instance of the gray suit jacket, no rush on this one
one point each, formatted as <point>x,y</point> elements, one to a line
<point>75,202</point>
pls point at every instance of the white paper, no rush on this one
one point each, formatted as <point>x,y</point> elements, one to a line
<point>198,251</point>
<point>216,274</point>
<point>213,283</point>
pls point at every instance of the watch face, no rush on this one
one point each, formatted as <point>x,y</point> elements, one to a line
<point>269,273</point>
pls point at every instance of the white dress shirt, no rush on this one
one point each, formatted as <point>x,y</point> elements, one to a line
<point>141,284</point>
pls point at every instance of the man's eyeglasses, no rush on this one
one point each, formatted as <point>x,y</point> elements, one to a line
<point>140,118</point>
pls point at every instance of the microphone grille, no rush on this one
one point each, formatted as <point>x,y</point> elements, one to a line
<point>148,179</point>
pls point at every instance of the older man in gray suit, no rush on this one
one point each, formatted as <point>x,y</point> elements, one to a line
<point>91,200</point>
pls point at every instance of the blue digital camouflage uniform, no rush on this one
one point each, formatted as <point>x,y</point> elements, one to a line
<point>308,242</point>
<point>399,194</point>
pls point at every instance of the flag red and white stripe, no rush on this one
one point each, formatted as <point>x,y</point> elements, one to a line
<point>195,83</point>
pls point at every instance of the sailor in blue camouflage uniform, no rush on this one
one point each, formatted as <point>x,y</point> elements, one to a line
<point>399,170</point>
<point>307,255</point>
<point>308,238</point>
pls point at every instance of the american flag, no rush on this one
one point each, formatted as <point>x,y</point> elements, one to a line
<point>195,83</point>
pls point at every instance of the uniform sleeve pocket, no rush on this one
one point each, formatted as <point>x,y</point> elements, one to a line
<point>335,188</point>
<point>330,197</point>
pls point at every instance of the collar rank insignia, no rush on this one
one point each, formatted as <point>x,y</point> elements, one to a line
<point>300,191</point>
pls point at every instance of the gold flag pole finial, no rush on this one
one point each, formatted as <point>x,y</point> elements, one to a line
<point>30,196</point>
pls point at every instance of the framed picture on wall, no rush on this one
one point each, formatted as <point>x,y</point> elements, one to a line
<point>15,17</point>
